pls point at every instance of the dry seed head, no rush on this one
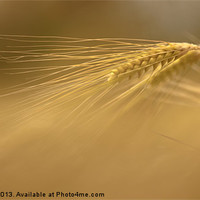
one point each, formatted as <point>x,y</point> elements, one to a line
<point>162,54</point>
<point>83,79</point>
<point>176,67</point>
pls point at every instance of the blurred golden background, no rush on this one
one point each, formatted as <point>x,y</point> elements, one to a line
<point>151,152</point>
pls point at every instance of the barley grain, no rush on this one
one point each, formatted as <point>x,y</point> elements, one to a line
<point>93,71</point>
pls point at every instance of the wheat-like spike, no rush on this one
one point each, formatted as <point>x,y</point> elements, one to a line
<point>96,66</point>
<point>176,67</point>
<point>162,55</point>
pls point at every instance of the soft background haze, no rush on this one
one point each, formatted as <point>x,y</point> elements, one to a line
<point>130,159</point>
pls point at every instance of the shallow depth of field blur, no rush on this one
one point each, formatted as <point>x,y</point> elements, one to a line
<point>153,151</point>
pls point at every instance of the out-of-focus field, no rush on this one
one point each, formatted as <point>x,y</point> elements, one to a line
<point>152,151</point>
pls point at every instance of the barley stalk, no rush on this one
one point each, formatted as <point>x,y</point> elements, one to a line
<point>96,71</point>
<point>162,55</point>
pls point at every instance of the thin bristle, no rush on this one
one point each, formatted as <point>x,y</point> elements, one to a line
<point>93,72</point>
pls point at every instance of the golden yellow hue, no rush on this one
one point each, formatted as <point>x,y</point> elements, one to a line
<point>65,127</point>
